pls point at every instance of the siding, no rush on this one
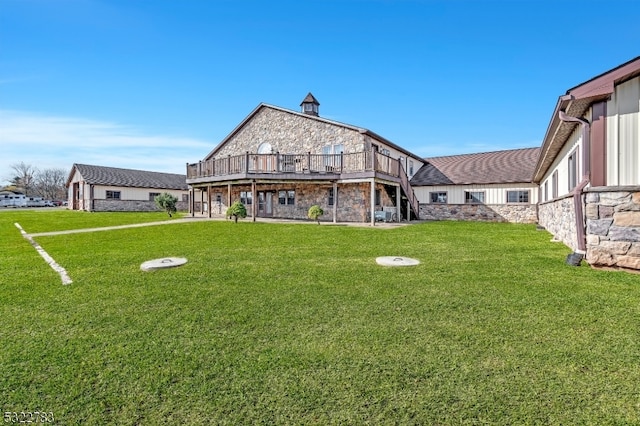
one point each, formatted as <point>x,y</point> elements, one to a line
<point>623,134</point>
<point>494,193</point>
<point>561,164</point>
<point>137,194</point>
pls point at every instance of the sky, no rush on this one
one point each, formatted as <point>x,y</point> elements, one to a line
<point>156,84</point>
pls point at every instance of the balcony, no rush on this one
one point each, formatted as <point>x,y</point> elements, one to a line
<point>294,166</point>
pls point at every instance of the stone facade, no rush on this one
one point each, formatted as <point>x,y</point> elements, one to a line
<point>558,217</point>
<point>132,206</point>
<point>612,221</point>
<point>290,133</point>
<point>613,227</point>
<point>517,213</point>
<point>353,200</point>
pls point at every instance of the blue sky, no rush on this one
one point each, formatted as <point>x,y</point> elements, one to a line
<point>154,84</point>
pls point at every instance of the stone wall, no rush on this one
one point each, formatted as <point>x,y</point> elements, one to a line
<point>132,206</point>
<point>613,227</point>
<point>290,133</point>
<point>558,217</point>
<point>517,213</point>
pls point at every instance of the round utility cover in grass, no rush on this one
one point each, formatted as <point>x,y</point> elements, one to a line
<point>167,262</point>
<point>396,261</point>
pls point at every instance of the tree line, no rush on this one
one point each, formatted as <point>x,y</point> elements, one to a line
<point>29,180</point>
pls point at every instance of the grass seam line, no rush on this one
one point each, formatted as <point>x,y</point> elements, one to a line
<point>47,258</point>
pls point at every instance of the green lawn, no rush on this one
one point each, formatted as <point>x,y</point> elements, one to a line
<point>296,324</point>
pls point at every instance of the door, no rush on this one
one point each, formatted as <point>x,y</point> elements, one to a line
<point>265,204</point>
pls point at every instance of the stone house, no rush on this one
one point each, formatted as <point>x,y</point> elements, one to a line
<point>588,171</point>
<point>280,162</point>
<point>99,188</point>
<point>491,186</point>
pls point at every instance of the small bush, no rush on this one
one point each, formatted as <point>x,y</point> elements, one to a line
<point>237,210</point>
<point>166,202</point>
<point>315,212</point>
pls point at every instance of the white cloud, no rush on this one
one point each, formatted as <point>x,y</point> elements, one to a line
<point>46,141</point>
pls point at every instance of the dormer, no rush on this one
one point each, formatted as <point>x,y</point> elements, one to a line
<point>310,105</point>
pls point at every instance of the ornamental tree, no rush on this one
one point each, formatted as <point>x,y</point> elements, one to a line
<point>166,202</point>
<point>237,210</point>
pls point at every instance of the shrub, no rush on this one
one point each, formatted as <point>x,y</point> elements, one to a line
<point>166,202</point>
<point>315,212</point>
<point>237,210</point>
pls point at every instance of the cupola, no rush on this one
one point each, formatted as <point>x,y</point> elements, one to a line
<point>310,105</point>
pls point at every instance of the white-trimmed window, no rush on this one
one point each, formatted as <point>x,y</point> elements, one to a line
<point>265,148</point>
<point>153,195</point>
<point>287,197</point>
<point>332,197</point>
<point>246,197</point>
<point>554,185</point>
<point>438,197</point>
<point>474,197</point>
<point>573,169</point>
<point>517,196</point>
<point>113,195</point>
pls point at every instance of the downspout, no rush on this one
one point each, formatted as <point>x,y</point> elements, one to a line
<point>575,258</point>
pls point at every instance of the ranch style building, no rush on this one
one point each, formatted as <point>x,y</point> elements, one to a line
<point>100,189</point>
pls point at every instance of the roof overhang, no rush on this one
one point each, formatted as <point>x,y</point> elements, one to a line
<point>576,102</point>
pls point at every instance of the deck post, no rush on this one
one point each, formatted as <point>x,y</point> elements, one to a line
<point>192,193</point>
<point>373,201</point>
<point>209,200</point>
<point>398,202</point>
<point>335,201</point>
<point>254,197</point>
<point>228,195</point>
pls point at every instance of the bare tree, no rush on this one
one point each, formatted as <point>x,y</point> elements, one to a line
<point>50,184</point>
<point>25,176</point>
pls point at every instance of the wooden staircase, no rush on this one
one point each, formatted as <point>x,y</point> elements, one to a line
<point>408,192</point>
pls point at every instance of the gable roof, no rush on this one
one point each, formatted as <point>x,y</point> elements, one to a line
<point>308,117</point>
<point>509,166</point>
<point>575,103</point>
<point>112,176</point>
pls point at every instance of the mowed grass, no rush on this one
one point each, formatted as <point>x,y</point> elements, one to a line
<point>296,324</point>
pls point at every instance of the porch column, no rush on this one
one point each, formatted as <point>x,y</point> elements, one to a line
<point>228,195</point>
<point>408,209</point>
<point>398,202</point>
<point>192,194</point>
<point>254,196</point>
<point>335,202</point>
<point>209,201</point>
<point>373,202</point>
<point>201,201</point>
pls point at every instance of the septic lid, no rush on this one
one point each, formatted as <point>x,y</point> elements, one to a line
<point>396,261</point>
<point>166,262</point>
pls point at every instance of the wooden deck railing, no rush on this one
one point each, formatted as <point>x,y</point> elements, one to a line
<point>295,163</point>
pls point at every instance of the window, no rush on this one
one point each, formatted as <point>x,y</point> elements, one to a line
<point>332,198</point>
<point>471,197</point>
<point>113,195</point>
<point>411,168</point>
<point>265,148</point>
<point>332,155</point>
<point>377,197</point>
<point>185,198</point>
<point>546,191</point>
<point>246,197</point>
<point>385,151</point>
<point>517,196</point>
<point>573,169</point>
<point>554,185</point>
<point>438,197</point>
<point>287,198</point>
<point>153,195</point>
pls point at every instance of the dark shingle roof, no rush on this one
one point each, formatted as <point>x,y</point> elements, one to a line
<point>509,166</point>
<point>112,176</point>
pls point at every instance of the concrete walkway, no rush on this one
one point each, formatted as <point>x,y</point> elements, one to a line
<point>378,225</point>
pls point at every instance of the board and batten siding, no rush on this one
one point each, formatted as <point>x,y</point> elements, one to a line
<point>561,166</point>
<point>623,134</point>
<point>133,194</point>
<point>494,193</point>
